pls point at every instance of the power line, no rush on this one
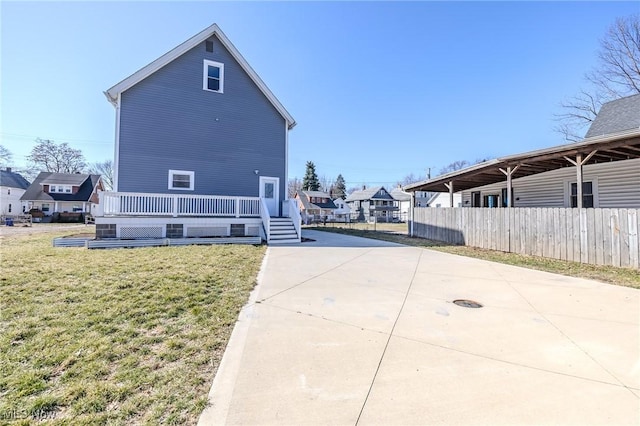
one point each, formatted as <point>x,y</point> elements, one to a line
<point>79,141</point>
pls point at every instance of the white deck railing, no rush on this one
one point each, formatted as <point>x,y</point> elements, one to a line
<point>142,204</point>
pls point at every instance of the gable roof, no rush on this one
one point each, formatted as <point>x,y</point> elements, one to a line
<point>616,116</point>
<point>304,197</point>
<point>13,180</point>
<point>35,191</point>
<point>400,195</point>
<point>368,194</point>
<point>75,179</point>
<point>141,74</point>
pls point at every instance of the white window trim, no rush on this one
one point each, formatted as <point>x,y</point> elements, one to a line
<point>594,188</point>
<point>205,75</point>
<point>181,172</point>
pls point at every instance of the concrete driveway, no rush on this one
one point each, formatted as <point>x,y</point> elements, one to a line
<point>350,331</point>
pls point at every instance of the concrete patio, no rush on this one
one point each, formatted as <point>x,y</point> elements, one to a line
<point>350,331</point>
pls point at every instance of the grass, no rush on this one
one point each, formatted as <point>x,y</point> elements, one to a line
<point>124,336</point>
<point>397,233</point>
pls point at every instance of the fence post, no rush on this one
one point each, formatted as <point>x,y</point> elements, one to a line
<point>237,206</point>
<point>175,205</point>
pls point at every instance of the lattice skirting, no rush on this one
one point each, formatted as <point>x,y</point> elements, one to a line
<point>141,232</point>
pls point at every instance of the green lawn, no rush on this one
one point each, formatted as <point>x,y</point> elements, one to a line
<point>123,336</point>
<point>620,276</point>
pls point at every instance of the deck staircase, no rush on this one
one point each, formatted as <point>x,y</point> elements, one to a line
<point>282,231</point>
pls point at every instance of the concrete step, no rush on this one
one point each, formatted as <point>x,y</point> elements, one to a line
<point>283,232</point>
<point>287,241</point>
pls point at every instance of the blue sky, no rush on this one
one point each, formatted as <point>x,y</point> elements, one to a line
<point>379,89</point>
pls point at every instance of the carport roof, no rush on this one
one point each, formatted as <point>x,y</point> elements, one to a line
<point>623,145</point>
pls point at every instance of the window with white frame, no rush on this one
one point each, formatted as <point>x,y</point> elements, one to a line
<point>587,194</point>
<point>213,76</point>
<point>181,180</point>
<point>60,189</point>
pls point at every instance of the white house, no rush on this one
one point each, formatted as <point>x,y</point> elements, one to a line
<point>443,199</point>
<point>12,187</point>
<point>403,200</point>
<point>342,212</point>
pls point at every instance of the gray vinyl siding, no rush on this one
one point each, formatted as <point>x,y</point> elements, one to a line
<point>617,186</point>
<point>168,122</point>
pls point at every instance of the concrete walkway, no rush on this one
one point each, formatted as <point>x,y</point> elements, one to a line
<point>346,331</point>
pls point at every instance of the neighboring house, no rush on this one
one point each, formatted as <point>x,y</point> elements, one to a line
<point>403,202</point>
<point>63,193</point>
<point>422,198</point>
<point>12,186</point>
<point>371,204</point>
<point>315,205</point>
<point>201,147</point>
<point>607,162</point>
<point>342,212</point>
<point>442,199</point>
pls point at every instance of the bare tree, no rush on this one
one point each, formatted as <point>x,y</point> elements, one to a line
<point>104,169</point>
<point>618,72</point>
<point>456,165</point>
<point>293,185</point>
<point>408,179</point>
<point>579,113</point>
<point>353,189</point>
<point>49,156</point>
<point>326,184</point>
<point>6,156</point>
<point>616,75</point>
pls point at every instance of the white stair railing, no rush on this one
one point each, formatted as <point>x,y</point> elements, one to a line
<point>266,219</point>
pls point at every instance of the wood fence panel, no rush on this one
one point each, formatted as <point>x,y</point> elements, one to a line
<point>570,240</point>
<point>598,242</point>
<point>591,247</point>
<point>539,245</point>
<point>634,243</point>
<point>562,226</point>
<point>623,220</point>
<point>615,238</point>
<point>575,218</point>
<point>596,236</point>
<point>607,231</point>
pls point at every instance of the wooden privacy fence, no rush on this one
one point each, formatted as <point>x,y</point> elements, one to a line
<point>597,236</point>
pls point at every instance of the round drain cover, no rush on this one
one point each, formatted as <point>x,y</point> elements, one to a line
<point>467,303</point>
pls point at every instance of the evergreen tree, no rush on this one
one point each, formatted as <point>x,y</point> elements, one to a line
<point>340,189</point>
<point>310,181</point>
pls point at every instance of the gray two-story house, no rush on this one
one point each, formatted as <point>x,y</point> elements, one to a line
<point>200,149</point>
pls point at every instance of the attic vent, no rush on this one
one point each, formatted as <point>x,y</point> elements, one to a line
<point>209,45</point>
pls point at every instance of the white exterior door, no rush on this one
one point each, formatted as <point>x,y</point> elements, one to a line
<point>269,187</point>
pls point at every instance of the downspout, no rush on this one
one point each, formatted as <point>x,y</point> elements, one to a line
<point>116,157</point>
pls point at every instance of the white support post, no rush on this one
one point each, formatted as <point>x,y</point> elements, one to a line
<point>450,187</point>
<point>508,173</point>
<point>579,162</point>
<point>579,179</point>
<point>237,206</point>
